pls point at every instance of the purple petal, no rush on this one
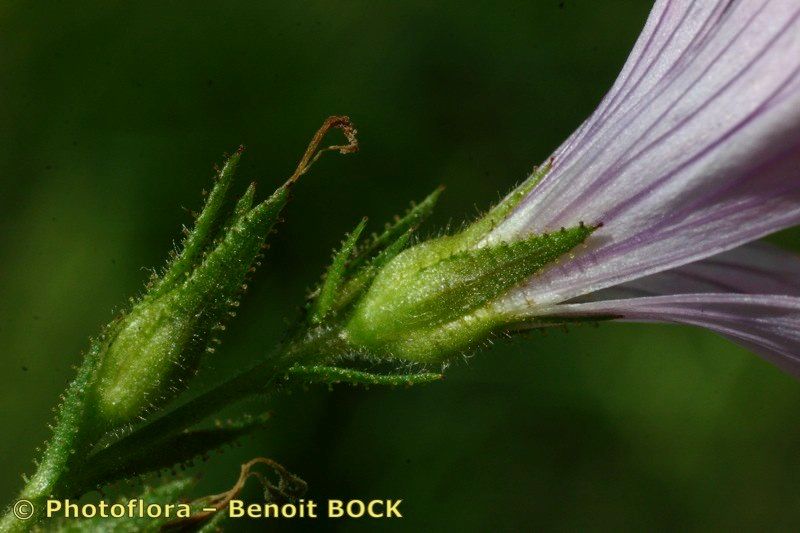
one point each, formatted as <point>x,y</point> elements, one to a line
<point>766,324</point>
<point>694,151</point>
<point>755,268</point>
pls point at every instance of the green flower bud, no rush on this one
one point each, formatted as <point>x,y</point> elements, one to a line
<point>154,348</point>
<point>435,299</point>
<point>147,355</point>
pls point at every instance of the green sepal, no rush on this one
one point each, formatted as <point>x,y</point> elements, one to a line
<point>333,374</point>
<point>334,276</point>
<point>361,279</point>
<point>478,229</point>
<point>434,299</point>
<point>158,344</point>
<point>243,206</point>
<point>354,267</point>
<point>408,222</point>
<point>202,234</point>
<point>218,280</point>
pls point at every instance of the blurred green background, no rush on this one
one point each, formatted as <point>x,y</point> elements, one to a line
<point>111,115</point>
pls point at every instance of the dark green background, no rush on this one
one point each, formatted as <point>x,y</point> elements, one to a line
<point>111,115</point>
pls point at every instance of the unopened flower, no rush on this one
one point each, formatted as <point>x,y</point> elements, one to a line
<point>693,153</point>
<point>149,353</point>
<point>434,298</point>
<point>147,356</point>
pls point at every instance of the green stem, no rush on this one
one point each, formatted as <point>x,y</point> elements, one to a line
<point>63,473</point>
<point>72,438</point>
<point>46,482</point>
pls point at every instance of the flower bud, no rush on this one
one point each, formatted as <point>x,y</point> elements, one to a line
<point>154,348</point>
<point>434,299</point>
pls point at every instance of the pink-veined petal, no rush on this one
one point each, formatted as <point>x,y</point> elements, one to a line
<point>766,324</point>
<point>755,268</point>
<point>696,149</point>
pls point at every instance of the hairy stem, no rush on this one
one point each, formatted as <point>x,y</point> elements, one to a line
<point>64,474</point>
